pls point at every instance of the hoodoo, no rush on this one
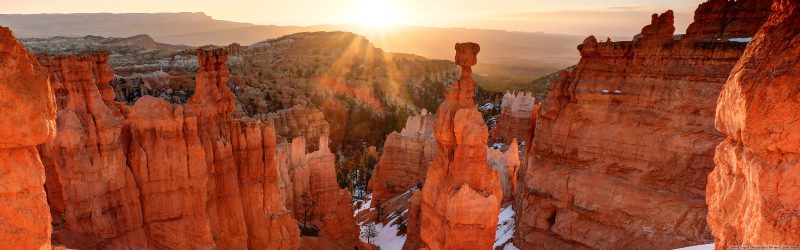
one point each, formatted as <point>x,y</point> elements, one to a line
<point>752,194</point>
<point>28,111</point>
<point>462,194</point>
<point>162,175</point>
<point>624,143</point>
<point>89,181</point>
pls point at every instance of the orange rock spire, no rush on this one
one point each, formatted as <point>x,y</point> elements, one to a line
<point>28,111</point>
<point>462,194</point>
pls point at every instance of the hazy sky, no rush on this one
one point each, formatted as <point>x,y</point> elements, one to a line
<point>554,16</point>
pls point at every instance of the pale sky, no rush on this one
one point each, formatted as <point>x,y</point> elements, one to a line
<point>553,16</point>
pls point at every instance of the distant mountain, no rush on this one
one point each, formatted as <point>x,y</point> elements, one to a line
<point>519,57</point>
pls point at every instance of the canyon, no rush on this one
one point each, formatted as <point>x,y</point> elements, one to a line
<point>172,176</point>
<point>665,141</point>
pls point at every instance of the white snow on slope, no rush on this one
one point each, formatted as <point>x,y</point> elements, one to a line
<point>505,228</point>
<point>699,247</point>
<point>741,40</point>
<point>387,238</point>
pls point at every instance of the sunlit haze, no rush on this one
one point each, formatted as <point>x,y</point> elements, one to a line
<point>616,17</point>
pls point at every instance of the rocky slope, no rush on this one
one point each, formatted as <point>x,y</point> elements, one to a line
<point>461,198</point>
<point>405,159</point>
<point>515,116</point>
<point>624,142</point>
<point>751,194</point>
<point>28,109</point>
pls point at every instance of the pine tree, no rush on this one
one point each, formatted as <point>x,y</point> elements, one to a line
<point>370,232</point>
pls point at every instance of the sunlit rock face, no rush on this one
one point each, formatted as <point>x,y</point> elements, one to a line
<point>88,176</point>
<point>625,141</point>
<point>405,159</point>
<point>159,175</point>
<point>506,164</point>
<point>515,117</point>
<point>462,193</point>
<point>28,111</point>
<point>752,193</point>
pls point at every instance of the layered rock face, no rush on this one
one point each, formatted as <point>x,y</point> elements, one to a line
<point>331,203</point>
<point>506,164</point>
<point>462,194</point>
<point>28,109</point>
<point>300,121</point>
<point>90,182</point>
<point>160,175</point>
<point>752,193</point>
<point>515,116</point>
<point>405,159</point>
<point>624,143</point>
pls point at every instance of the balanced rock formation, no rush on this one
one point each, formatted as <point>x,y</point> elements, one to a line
<point>624,142</point>
<point>28,108</point>
<point>752,193</point>
<point>461,198</point>
<point>405,159</point>
<point>515,116</point>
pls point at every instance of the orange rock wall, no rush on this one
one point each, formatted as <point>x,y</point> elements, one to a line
<point>752,193</point>
<point>28,108</point>
<point>515,116</point>
<point>164,176</point>
<point>624,142</point>
<point>92,184</point>
<point>405,159</point>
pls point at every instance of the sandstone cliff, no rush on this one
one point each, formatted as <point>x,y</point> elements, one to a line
<point>331,203</point>
<point>405,159</point>
<point>89,179</point>
<point>462,194</point>
<point>162,175</point>
<point>300,121</point>
<point>28,108</point>
<point>752,193</point>
<point>515,117</point>
<point>624,142</point>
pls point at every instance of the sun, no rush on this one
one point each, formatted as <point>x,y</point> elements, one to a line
<point>376,13</point>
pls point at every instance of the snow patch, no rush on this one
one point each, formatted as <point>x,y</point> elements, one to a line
<point>699,247</point>
<point>387,238</point>
<point>364,206</point>
<point>741,39</point>
<point>505,228</point>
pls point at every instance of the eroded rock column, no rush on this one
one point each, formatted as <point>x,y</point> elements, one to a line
<point>28,111</point>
